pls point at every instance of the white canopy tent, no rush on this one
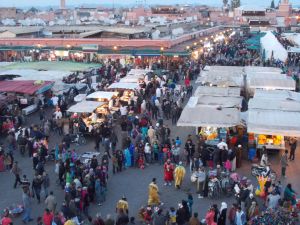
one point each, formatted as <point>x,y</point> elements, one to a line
<point>219,101</point>
<point>277,94</point>
<point>79,98</point>
<point>265,75</point>
<point>272,48</point>
<point>273,122</point>
<point>138,72</point>
<point>261,69</point>
<point>222,76</point>
<point>213,111</point>
<point>101,95</point>
<point>272,84</point>
<point>274,104</point>
<point>126,86</point>
<point>131,79</point>
<point>85,107</point>
<point>217,91</point>
<point>205,116</point>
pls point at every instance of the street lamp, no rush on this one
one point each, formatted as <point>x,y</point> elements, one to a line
<point>188,47</point>
<point>162,49</point>
<point>195,43</point>
<point>115,48</point>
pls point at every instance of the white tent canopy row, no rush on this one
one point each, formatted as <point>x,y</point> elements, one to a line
<point>261,69</point>
<point>79,97</point>
<point>272,48</point>
<point>222,76</point>
<point>126,86</point>
<point>272,122</point>
<point>274,104</point>
<point>277,94</point>
<point>215,101</point>
<point>237,69</point>
<point>130,79</point>
<point>221,81</point>
<point>138,72</point>
<point>102,95</point>
<point>85,107</point>
<point>203,116</point>
<point>266,75</point>
<point>217,91</point>
<point>272,84</point>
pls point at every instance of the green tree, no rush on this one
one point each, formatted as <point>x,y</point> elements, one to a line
<point>235,4</point>
<point>272,4</point>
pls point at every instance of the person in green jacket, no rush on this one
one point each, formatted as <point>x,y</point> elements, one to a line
<point>289,194</point>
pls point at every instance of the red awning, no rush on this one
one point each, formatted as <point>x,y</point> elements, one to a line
<point>25,87</point>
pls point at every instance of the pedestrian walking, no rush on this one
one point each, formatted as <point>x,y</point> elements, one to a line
<point>27,204</point>
<point>51,202</point>
<point>293,144</point>
<point>17,172</point>
<point>284,163</point>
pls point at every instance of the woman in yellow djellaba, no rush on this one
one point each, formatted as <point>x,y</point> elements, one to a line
<point>153,198</point>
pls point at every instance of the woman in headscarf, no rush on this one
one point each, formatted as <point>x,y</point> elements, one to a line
<point>127,158</point>
<point>223,212</point>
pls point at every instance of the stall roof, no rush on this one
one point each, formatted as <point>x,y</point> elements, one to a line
<point>131,79</point>
<point>138,72</point>
<point>274,104</point>
<point>85,107</point>
<point>280,84</point>
<point>272,122</point>
<point>126,86</point>
<point>266,75</point>
<point>201,116</point>
<point>227,77</point>
<point>217,91</point>
<point>277,94</point>
<point>101,95</point>
<point>261,69</point>
<point>79,97</point>
<point>215,101</point>
<point>25,87</point>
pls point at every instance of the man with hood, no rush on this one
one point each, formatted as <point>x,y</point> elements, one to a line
<point>153,198</point>
<point>179,174</point>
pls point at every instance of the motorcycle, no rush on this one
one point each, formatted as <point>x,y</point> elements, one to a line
<point>78,139</point>
<point>266,171</point>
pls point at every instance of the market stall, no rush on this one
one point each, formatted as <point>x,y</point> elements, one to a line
<point>28,92</point>
<point>271,84</point>
<point>126,91</point>
<point>89,114</point>
<point>212,116</point>
<point>102,96</point>
<point>221,76</point>
<point>270,120</point>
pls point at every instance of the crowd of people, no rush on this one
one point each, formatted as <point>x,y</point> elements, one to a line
<point>138,138</point>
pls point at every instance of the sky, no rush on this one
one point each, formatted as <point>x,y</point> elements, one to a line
<point>39,3</point>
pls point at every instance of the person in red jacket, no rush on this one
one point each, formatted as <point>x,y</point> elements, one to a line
<point>168,172</point>
<point>6,220</point>
<point>47,217</point>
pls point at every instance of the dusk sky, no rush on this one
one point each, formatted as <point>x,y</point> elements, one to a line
<point>29,3</point>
